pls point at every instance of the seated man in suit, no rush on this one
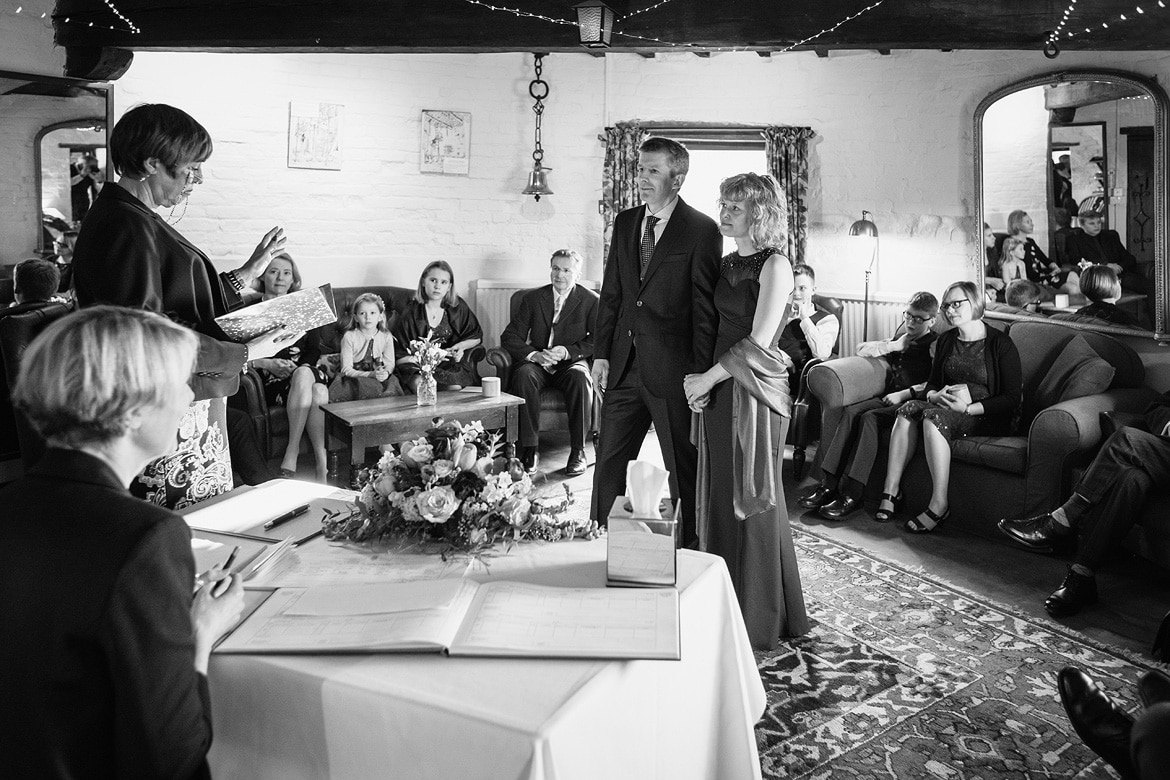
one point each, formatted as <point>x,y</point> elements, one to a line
<point>551,341</point>
<point>1109,496</point>
<point>1092,245</point>
<point>34,284</point>
<point>850,455</point>
<point>811,331</point>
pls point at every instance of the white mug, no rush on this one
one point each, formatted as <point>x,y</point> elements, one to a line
<point>490,386</point>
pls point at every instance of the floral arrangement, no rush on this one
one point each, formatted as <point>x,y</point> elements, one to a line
<point>428,352</point>
<point>454,488</point>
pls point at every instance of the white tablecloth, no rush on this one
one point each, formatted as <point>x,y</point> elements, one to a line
<point>419,716</point>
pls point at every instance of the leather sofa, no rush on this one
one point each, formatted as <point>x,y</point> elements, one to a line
<point>1012,476</point>
<point>270,422</point>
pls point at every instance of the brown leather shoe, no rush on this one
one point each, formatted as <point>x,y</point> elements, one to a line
<point>1075,592</point>
<point>840,508</point>
<point>818,498</point>
<point>1038,534</point>
<point>576,464</point>
<point>1103,726</point>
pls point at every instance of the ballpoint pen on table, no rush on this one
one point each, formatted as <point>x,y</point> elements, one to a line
<point>289,515</point>
<point>307,537</point>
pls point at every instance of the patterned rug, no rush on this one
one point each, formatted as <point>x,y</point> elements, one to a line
<point>906,676</point>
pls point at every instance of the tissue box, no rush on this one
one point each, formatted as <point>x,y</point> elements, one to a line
<point>640,551</point>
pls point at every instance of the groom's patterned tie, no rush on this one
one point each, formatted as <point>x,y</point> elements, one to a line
<point>648,242</point>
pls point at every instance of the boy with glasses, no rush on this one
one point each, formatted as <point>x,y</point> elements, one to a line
<point>850,455</point>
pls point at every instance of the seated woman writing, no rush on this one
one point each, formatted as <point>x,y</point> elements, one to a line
<point>104,660</point>
<point>974,388</point>
<point>438,310</point>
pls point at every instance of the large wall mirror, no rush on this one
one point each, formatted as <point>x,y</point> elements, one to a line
<point>1082,154</point>
<point>53,152</point>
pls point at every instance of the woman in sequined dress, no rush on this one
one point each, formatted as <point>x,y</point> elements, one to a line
<point>974,388</point>
<point>745,421</point>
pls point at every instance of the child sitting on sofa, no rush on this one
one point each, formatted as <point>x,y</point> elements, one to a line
<point>850,454</point>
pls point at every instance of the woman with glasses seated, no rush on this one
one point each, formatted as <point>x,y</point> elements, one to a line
<point>103,666</point>
<point>974,388</point>
<point>849,455</point>
<point>128,255</point>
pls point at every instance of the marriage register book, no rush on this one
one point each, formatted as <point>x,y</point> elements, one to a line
<point>464,618</point>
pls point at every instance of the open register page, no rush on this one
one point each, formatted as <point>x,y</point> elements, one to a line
<point>461,617</point>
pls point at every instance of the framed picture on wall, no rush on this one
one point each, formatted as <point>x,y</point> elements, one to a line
<point>445,145</point>
<point>314,135</point>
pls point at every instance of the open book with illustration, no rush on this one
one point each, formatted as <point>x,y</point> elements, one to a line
<point>302,310</point>
<point>464,618</point>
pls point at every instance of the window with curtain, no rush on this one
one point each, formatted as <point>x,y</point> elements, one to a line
<point>717,151</point>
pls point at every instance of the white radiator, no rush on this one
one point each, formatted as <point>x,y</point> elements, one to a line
<point>885,316</point>
<point>493,300</point>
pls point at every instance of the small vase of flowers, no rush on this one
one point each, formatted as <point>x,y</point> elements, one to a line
<point>429,354</point>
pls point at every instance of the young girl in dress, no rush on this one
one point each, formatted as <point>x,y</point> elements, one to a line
<point>367,354</point>
<point>1011,263</point>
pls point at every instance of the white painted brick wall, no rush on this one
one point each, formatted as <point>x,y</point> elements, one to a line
<point>1015,173</point>
<point>893,137</point>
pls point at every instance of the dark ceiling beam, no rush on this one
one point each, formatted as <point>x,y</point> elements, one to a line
<point>459,26</point>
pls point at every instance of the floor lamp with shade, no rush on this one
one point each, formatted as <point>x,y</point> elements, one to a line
<point>865,236</point>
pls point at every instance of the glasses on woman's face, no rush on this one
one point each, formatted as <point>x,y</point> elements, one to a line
<point>954,305</point>
<point>195,174</point>
<point>915,319</point>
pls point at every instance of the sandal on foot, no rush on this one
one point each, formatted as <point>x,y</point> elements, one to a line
<point>886,515</point>
<point>926,522</point>
<point>287,474</point>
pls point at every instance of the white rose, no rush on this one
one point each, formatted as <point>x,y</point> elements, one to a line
<point>515,511</point>
<point>437,504</point>
<point>418,454</point>
<point>385,484</point>
<point>443,468</point>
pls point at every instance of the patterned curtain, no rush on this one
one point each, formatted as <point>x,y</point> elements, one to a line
<point>619,187</point>
<point>787,151</point>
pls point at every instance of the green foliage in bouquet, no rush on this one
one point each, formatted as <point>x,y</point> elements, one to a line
<point>453,487</point>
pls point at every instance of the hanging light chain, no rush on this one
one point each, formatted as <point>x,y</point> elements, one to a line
<point>538,90</point>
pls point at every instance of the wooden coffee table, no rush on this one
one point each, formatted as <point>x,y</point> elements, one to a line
<point>360,425</point>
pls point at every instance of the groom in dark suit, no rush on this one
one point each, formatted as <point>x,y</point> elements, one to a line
<point>551,340</point>
<point>656,324</point>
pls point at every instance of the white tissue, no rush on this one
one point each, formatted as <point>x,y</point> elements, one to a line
<point>645,486</point>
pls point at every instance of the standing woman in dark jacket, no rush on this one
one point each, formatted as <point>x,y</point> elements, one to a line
<point>127,255</point>
<point>974,388</point>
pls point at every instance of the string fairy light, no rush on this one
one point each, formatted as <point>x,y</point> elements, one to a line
<point>130,26</point>
<point>1052,36</point>
<point>643,10</point>
<point>529,15</point>
<point>1104,25</point>
<point>833,28</point>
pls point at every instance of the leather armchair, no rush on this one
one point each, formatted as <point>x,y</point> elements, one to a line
<point>806,412</point>
<point>553,412</point>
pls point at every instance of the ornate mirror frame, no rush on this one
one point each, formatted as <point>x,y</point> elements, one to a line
<point>1161,307</point>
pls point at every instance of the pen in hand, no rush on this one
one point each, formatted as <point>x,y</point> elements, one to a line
<point>289,515</point>
<point>221,587</point>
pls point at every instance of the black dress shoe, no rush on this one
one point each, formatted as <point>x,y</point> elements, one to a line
<point>1102,725</point>
<point>818,498</point>
<point>1075,592</point>
<point>576,464</point>
<point>528,458</point>
<point>1038,534</point>
<point>840,508</point>
<point>1154,688</point>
